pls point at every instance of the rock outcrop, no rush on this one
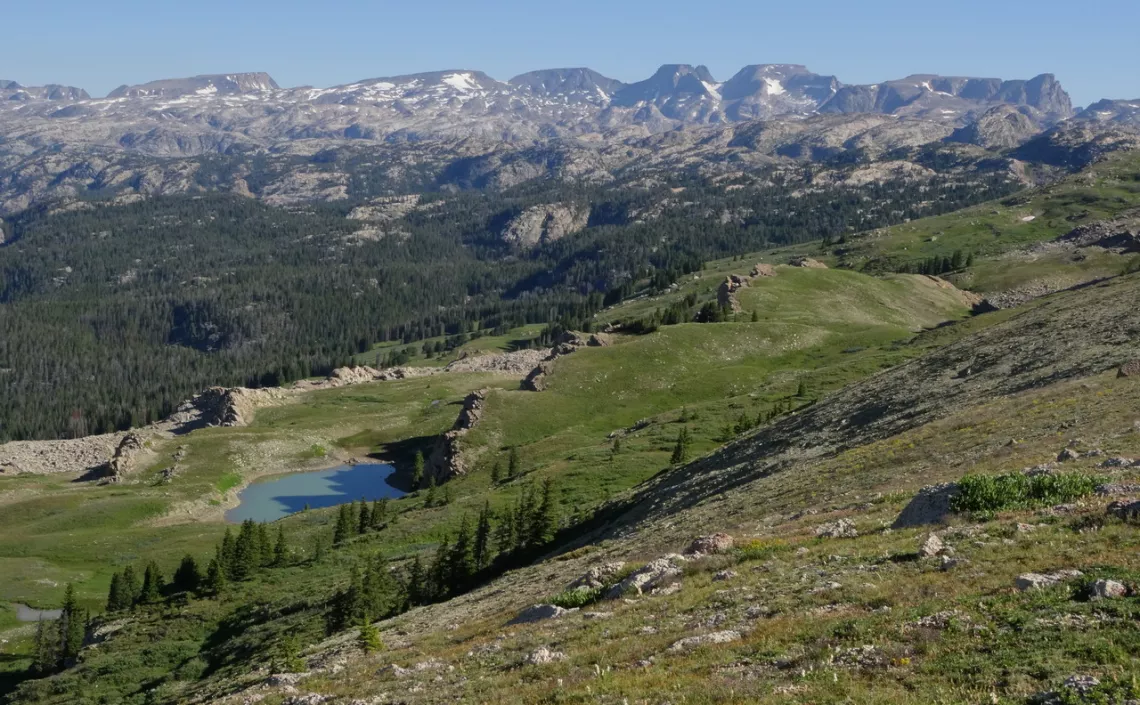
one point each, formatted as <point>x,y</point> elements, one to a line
<point>546,223</point>
<point>726,292</point>
<point>446,459</point>
<point>126,456</point>
<point>567,344</point>
<point>1121,235</point>
<point>1129,369</point>
<point>806,263</point>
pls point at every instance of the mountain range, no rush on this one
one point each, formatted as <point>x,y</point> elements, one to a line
<point>427,128</point>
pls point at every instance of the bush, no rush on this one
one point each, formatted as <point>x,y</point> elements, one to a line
<point>579,597</point>
<point>993,493</point>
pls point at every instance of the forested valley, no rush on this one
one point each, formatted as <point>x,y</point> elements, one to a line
<point>111,315</point>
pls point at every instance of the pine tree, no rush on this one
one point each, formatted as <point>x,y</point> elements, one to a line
<point>439,573</point>
<point>348,604</point>
<point>364,518</point>
<point>802,390</point>
<point>215,577</point>
<point>289,655</point>
<point>481,551</point>
<point>343,526</point>
<point>247,552</point>
<point>47,648</point>
<point>415,588</point>
<point>280,548</point>
<point>496,473</point>
<point>681,447</point>
<point>227,552</point>
<point>616,447</point>
<point>429,498</point>
<point>370,640</point>
<point>379,513</point>
<point>115,594</point>
<point>446,495</point>
<point>130,588</point>
<point>152,585</point>
<point>265,546</point>
<point>514,465</point>
<point>418,471</point>
<point>379,588</point>
<point>545,521</point>
<point>461,565</point>
<point>187,578</point>
<point>755,316</point>
<point>505,532</point>
<point>72,625</point>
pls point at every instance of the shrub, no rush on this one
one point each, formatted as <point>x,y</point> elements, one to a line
<point>578,597</point>
<point>992,493</point>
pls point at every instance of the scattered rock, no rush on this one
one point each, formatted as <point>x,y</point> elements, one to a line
<point>931,547</point>
<point>725,575</point>
<point>763,270</point>
<point>843,528</point>
<point>807,263</point>
<point>1108,589</point>
<point>279,680</point>
<point>1068,454</point>
<point>543,655</point>
<point>1129,369</point>
<point>653,575</point>
<point>1038,581</point>
<point>1126,509</point>
<point>310,699</point>
<point>539,613</point>
<point>1118,463</point>
<point>597,615</point>
<point>711,544</point>
<point>597,577</point>
<point>949,563</point>
<point>941,620</point>
<point>689,642</point>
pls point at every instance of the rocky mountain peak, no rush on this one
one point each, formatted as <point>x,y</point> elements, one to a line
<point>1121,112</point>
<point>11,90</point>
<point>566,81</point>
<point>206,85</point>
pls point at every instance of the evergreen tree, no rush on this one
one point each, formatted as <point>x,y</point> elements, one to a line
<point>264,545</point>
<point>802,390</point>
<point>289,655</point>
<point>545,520</point>
<point>415,588</point>
<point>681,447</point>
<point>446,495</point>
<point>115,594</point>
<point>418,471</point>
<point>514,465</point>
<point>343,526</point>
<point>348,605</point>
<point>130,587</point>
<point>440,571</point>
<point>215,577</point>
<point>505,539</point>
<point>72,625</point>
<point>616,447</point>
<point>496,473</point>
<point>47,648</point>
<point>370,640</point>
<point>461,564</point>
<point>280,548</point>
<point>429,498</point>
<point>187,578</point>
<point>755,316</point>
<point>247,552</point>
<point>379,513</point>
<point>481,550</point>
<point>227,553</point>
<point>364,518</point>
<point>152,585</point>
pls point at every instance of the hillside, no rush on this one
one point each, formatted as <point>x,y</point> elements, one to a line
<point>800,409</point>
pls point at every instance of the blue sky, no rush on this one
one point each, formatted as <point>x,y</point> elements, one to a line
<point>1090,45</point>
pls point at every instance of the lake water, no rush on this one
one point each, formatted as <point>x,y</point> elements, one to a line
<point>30,614</point>
<point>288,494</point>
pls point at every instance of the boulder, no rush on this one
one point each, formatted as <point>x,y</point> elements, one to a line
<point>543,655</point>
<point>653,575</point>
<point>931,547</point>
<point>690,642</point>
<point>1126,509</point>
<point>1108,589</point>
<point>539,613</point>
<point>713,543</point>
<point>597,577</point>
<point>806,263</point>
<point>1068,454</point>
<point>725,575</point>
<point>841,529</point>
<point>763,270</point>
<point>1129,369</point>
<point>1038,581</point>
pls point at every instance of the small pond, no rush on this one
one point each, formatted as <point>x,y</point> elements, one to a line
<point>288,494</point>
<point>31,614</point>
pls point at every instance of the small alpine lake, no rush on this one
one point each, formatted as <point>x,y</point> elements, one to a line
<point>280,496</point>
